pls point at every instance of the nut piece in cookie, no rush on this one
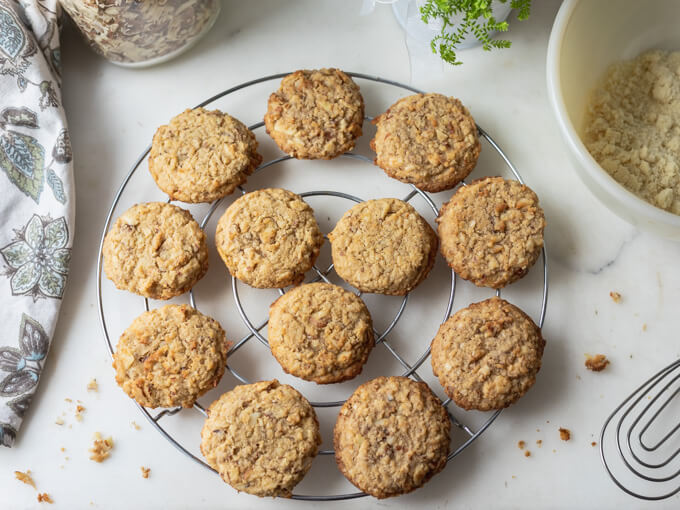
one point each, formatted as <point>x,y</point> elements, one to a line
<point>202,155</point>
<point>491,231</point>
<point>170,356</point>
<point>269,238</point>
<point>487,355</point>
<point>320,332</point>
<point>261,438</point>
<point>156,250</point>
<point>428,140</point>
<point>383,246</point>
<point>315,114</point>
<point>392,436</point>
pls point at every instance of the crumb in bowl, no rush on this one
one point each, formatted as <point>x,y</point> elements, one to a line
<point>565,434</point>
<point>632,127</point>
<point>596,363</point>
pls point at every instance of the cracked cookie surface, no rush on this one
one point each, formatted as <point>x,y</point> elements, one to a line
<point>202,155</point>
<point>391,436</point>
<point>269,238</point>
<point>487,355</point>
<point>491,231</point>
<point>315,114</point>
<point>428,140</point>
<point>320,332</point>
<point>383,246</point>
<point>261,438</point>
<point>170,356</point>
<point>156,250</point>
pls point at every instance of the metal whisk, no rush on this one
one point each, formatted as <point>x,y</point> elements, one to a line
<point>640,440</point>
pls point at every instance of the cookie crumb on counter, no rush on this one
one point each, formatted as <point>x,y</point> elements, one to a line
<point>539,442</point>
<point>92,385</point>
<point>62,449</point>
<point>596,363</point>
<point>59,421</point>
<point>644,327</point>
<point>135,425</point>
<point>101,448</point>
<point>79,412</point>
<point>68,400</point>
<point>25,478</point>
<point>616,297</point>
<point>593,443</point>
<point>565,434</point>
<point>520,445</point>
<point>45,498</point>
<point>145,472</point>
<point>527,453</point>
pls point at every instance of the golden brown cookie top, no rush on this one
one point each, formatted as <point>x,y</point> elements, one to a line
<point>491,231</point>
<point>428,140</point>
<point>170,356</point>
<point>261,438</point>
<point>320,332</point>
<point>269,238</point>
<point>202,155</point>
<point>392,436</point>
<point>156,250</point>
<point>487,355</point>
<point>383,246</point>
<point>315,114</point>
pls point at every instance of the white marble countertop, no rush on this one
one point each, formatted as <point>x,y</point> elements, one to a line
<point>113,113</point>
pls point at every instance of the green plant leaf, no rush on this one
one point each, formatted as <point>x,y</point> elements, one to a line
<point>477,19</point>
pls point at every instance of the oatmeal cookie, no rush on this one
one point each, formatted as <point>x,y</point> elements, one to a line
<point>491,231</point>
<point>269,238</point>
<point>428,140</point>
<point>261,438</point>
<point>170,356</point>
<point>392,436</point>
<point>487,355</point>
<point>315,114</point>
<point>320,332</point>
<point>156,250</point>
<point>202,155</point>
<point>383,246</point>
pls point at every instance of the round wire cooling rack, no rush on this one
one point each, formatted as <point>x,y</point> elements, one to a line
<point>410,369</point>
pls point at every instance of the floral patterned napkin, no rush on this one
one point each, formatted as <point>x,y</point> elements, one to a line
<point>37,207</point>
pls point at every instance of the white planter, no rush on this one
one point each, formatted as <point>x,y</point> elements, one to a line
<point>407,13</point>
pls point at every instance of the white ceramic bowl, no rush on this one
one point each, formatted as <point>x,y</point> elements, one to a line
<point>588,36</point>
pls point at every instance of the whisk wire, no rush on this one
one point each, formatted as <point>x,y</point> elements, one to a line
<point>628,417</point>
